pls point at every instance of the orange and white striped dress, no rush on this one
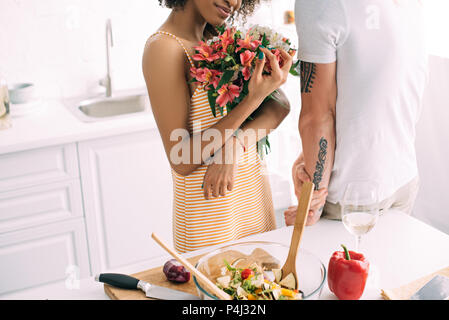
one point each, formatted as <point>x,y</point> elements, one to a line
<point>246,210</point>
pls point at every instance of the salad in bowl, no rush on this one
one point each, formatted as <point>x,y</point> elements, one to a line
<point>252,271</point>
<point>255,283</point>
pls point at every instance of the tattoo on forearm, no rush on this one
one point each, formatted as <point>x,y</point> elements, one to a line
<point>308,71</point>
<point>319,168</point>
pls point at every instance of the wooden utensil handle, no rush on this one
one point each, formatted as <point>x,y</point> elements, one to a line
<point>301,218</point>
<point>209,285</point>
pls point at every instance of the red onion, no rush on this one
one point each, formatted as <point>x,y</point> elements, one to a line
<point>176,272</point>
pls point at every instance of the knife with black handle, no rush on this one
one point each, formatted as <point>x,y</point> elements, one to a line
<point>124,281</point>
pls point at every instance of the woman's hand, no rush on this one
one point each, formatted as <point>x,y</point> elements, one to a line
<point>318,199</point>
<point>260,85</point>
<point>220,174</point>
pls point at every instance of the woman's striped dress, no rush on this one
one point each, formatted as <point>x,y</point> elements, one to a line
<point>244,211</point>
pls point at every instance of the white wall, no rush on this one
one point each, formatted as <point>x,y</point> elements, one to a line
<point>60,44</point>
<point>437,27</point>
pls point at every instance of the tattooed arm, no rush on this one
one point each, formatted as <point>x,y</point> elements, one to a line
<point>317,124</point>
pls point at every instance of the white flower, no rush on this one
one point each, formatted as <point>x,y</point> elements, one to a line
<point>213,40</point>
<point>275,38</point>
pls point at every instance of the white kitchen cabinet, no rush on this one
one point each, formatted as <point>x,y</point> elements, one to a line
<point>42,229</point>
<point>70,211</point>
<point>38,166</point>
<point>127,190</point>
<point>39,205</point>
<point>35,256</point>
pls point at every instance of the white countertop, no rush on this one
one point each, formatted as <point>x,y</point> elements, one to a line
<point>400,249</point>
<point>53,123</point>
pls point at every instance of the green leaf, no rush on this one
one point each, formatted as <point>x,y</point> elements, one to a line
<point>294,70</point>
<point>225,78</point>
<point>221,29</point>
<point>212,101</point>
<point>263,147</point>
<point>273,97</point>
<point>245,90</point>
<point>228,266</point>
<point>259,149</point>
<point>265,41</point>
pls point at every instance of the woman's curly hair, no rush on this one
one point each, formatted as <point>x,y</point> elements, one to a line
<point>247,7</point>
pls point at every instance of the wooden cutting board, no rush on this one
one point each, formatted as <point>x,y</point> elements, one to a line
<point>157,277</point>
<point>154,276</point>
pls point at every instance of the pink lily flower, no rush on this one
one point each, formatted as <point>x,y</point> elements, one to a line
<point>216,79</point>
<point>246,59</point>
<point>277,53</point>
<point>205,53</point>
<point>201,74</point>
<point>227,93</point>
<point>227,38</point>
<point>248,43</point>
<point>205,75</point>
<point>246,73</point>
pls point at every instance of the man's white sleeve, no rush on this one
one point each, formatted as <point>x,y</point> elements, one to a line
<point>321,26</point>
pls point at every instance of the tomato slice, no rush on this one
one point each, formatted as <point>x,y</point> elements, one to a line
<point>246,273</point>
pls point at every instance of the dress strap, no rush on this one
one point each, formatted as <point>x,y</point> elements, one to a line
<point>180,42</point>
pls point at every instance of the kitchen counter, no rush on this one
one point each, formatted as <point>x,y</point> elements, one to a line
<point>53,123</point>
<point>400,248</point>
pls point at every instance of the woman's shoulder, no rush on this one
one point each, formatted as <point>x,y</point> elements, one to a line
<point>159,42</point>
<point>161,48</point>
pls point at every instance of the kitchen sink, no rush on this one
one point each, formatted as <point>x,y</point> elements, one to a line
<point>113,104</point>
<point>103,108</point>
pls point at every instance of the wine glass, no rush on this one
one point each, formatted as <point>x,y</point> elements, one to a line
<point>360,208</point>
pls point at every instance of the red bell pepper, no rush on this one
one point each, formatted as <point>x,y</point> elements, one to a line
<point>347,274</point>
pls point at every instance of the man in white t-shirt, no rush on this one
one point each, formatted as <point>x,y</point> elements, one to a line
<point>363,72</point>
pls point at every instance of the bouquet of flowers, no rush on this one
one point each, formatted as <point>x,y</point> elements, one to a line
<point>226,62</point>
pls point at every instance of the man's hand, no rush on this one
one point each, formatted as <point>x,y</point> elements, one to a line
<point>318,199</point>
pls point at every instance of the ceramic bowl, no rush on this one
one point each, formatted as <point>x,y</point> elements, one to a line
<point>311,271</point>
<point>21,93</point>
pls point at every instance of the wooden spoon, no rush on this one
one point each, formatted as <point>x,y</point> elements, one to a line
<point>209,285</point>
<point>300,222</point>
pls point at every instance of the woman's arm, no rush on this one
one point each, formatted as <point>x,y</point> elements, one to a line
<point>164,72</point>
<point>219,177</point>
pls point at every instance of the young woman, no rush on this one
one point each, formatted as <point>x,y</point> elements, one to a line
<point>213,203</point>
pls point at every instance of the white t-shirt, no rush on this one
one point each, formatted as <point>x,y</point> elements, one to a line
<point>381,74</point>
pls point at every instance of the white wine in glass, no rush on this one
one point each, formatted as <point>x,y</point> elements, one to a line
<point>360,208</point>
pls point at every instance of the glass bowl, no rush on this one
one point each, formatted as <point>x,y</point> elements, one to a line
<point>311,271</point>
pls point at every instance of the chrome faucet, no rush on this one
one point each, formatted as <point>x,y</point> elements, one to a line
<point>107,80</point>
